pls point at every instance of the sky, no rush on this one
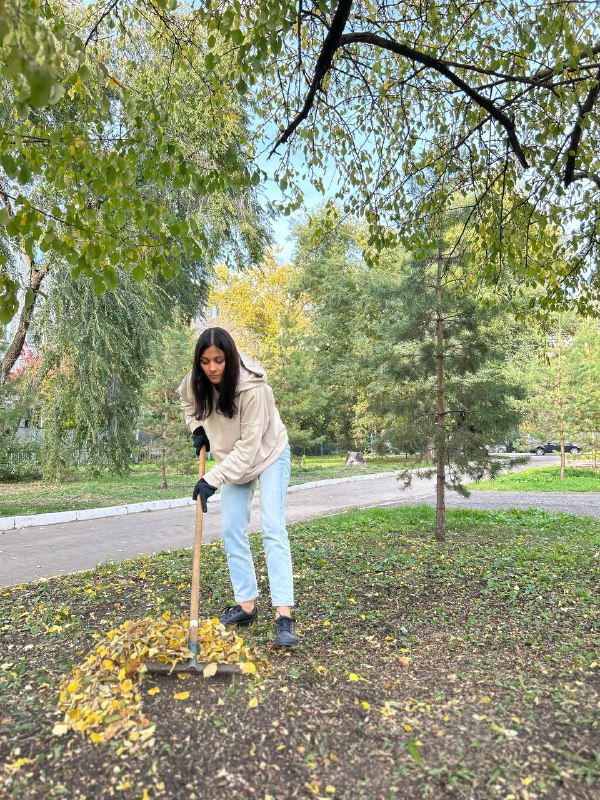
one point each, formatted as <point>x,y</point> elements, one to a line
<point>269,191</point>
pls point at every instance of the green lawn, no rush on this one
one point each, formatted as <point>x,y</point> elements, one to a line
<point>143,484</point>
<point>544,479</point>
<point>458,670</point>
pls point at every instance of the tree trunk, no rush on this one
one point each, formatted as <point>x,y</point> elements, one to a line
<point>163,466</point>
<point>16,346</point>
<point>440,421</point>
<point>561,433</point>
<point>560,401</point>
<point>428,451</point>
<point>36,276</point>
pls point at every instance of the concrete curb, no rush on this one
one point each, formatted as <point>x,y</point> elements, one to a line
<point>58,517</point>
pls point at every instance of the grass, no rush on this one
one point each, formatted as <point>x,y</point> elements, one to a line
<point>544,479</point>
<point>143,484</point>
<point>460,670</point>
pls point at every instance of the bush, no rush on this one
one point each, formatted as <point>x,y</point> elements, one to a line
<point>19,458</point>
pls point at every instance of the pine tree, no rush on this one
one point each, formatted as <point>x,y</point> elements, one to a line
<point>440,351</point>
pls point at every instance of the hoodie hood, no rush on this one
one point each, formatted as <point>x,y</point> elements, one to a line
<point>251,375</point>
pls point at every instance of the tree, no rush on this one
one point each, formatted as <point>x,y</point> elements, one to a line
<point>331,274</point>
<point>161,416</point>
<point>252,302</point>
<point>498,101</point>
<point>583,381</point>
<point>108,153</point>
<point>563,382</point>
<point>441,347</point>
<point>18,453</point>
<point>267,314</point>
<point>96,351</point>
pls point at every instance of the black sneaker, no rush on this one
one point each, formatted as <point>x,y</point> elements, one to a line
<point>235,615</point>
<point>284,633</point>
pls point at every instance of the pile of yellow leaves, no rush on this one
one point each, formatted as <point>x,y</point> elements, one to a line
<point>101,698</point>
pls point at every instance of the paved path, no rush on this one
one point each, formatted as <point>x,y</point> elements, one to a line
<point>31,553</point>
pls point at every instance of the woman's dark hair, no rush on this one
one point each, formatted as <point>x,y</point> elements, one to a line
<point>203,388</point>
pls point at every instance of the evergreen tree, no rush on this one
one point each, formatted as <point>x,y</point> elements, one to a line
<point>437,362</point>
<point>331,273</point>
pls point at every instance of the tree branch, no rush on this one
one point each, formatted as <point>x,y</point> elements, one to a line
<point>322,67</point>
<point>443,69</point>
<point>581,174</point>
<point>577,131</point>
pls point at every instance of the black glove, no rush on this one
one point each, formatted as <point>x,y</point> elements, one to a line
<point>200,438</point>
<point>205,490</point>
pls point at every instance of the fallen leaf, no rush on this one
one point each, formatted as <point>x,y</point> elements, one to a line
<point>253,702</point>
<point>181,695</point>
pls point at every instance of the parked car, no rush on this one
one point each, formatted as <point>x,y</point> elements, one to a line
<point>554,447</point>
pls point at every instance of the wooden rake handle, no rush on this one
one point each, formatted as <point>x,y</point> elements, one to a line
<point>195,599</point>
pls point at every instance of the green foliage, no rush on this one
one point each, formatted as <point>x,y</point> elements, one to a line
<point>436,336</point>
<point>583,378</point>
<point>169,361</point>
<point>107,150</point>
<point>330,273</point>
<point>563,381</point>
<point>18,453</point>
<point>496,101</point>
<point>96,352</point>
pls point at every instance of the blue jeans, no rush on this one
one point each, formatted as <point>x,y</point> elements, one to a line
<point>235,520</point>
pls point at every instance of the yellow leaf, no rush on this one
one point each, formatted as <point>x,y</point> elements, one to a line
<point>485,699</point>
<point>330,789</point>
<point>253,702</point>
<point>210,670</point>
<point>16,765</point>
<point>60,729</point>
<point>247,668</point>
<point>408,727</point>
<point>365,705</point>
<point>353,677</point>
<point>326,622</point>
<point>181,695</point>
<point>154,690</point>
<point>107,664</point>
<point>528,780</point>
<point>96,737</point>
<point>127,685</point>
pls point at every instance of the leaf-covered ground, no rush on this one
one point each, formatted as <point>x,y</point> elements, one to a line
<point>426,671</point>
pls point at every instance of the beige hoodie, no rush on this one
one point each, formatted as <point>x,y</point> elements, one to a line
<point>252,440</point>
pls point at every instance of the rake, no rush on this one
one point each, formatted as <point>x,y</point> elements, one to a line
<point>192,665</point>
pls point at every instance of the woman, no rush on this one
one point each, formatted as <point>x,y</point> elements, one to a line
<point>244,432</point>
